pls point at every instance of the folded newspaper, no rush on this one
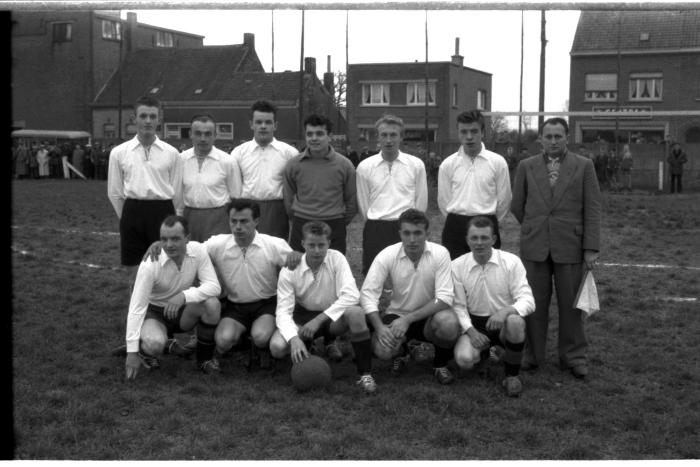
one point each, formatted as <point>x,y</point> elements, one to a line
<point>587,295</point>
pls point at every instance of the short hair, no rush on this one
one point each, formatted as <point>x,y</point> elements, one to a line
<point>472,116</point>
<point>555,121</point>
<point>148,101</point>
<point>173,219</point>
<point>389,119</point>
<point>316,228</point>
<point>414,216</point>
<point>481,222</point>
<point>204,118</point>
<point>263,106</point>
<point>318,120</point>
<point>240,204</point>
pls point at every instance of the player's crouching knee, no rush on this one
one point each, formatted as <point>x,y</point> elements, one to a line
<point>278,346</point>
<point>152,345</point>
<point>515,328</point>
<point>445,327</point>
<point>355,317</point>
<point>465,357</point>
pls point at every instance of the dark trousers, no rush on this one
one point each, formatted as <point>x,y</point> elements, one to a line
<point>273,218</point>
<point>676,183</point>
<point>377,235</point>
<point>572,339</point>
<point>454,234</point>
<point>338,233</point>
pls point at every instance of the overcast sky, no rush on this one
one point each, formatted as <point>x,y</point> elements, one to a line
<point>489,41</point>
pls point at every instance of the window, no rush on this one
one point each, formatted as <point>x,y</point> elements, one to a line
<point>454,95</point>
<point>646,86</point>
<point>224,131</point>
<point>164,39</point>
<point>481,99</point>
<point>601,87</point>
<point>111,30</point>
<point>415,93</point>
<point>62,32</point>
<point>365,134</point>
<point>375,94</point>
<point>177,131</point>
<point>109,130</point>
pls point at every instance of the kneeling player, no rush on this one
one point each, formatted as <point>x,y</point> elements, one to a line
<point>320,298</point>
<point>420,301</point>
<point>492,297</point>
<point>164,301</point>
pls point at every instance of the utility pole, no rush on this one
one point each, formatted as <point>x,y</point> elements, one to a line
<point>619,69</point>
<point>301,82</point>
<point>273,54</point>
<point>543,46</point>
<point>522,57</point>
<point>426,140</point>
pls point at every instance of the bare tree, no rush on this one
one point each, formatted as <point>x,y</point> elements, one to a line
<point>340,87</point>
<point>497,127</point>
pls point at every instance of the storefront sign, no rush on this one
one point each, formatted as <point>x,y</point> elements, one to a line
<point>627,112</point>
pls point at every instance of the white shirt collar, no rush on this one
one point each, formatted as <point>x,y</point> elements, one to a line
<point>163,258</point>
<point>463,153</point>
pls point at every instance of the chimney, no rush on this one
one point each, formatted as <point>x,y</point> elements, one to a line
<point>457,59</point>
<point>310,65</point>
<point>328,78</point>
<point>131,25</point>
<point>249,40</point>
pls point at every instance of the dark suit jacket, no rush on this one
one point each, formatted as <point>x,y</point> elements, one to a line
<point>563,220</point>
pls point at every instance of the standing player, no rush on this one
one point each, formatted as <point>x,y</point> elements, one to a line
<point>471,182</point>
<point>319,184</point>
<point>556,199</point>
<point>261,163</point>
<point>247,263</point>
<point>388,183</point>
<point>420,301</point>
<point>164,300</point>
<point>320,298</point>
<point>210,178</point>
<point>492,297</point>
<point>143,184</point>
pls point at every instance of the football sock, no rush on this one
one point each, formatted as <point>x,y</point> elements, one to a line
<point>205,341</point>
<point>442,356</point>
<point>362,346</point>
<point>513,357</point>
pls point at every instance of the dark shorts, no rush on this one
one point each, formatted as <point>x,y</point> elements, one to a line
<point>454,234</point>
<point>206,222</point>
<point>414,331</point>
<point>273,219</point>
<point>338,234</point>
<point>479,323</point>
<point>302,316</point>
<point>139,227</point>
<point>172,325</point>
<point>377,235</point>
<point>248,313</point>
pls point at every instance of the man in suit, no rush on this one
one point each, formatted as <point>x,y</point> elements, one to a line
<point>556,199</point>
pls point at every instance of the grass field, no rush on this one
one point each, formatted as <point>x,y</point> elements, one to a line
<point>71,401</point>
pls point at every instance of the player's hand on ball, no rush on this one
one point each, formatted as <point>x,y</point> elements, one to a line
<point>399,327</point>
<point>133,363</point>
<point>153,251</point>
<point>173,305</point>
<point>298,349</point>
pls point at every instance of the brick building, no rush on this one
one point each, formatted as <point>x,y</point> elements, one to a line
<point>644,62</point>
<point>375,89</point>
<point>61,60</point>
<point>223,81</point>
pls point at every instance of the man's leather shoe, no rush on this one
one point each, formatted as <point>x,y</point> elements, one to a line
<point>579,371</point>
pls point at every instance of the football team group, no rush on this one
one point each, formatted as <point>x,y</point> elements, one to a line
<point>249,248</point>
